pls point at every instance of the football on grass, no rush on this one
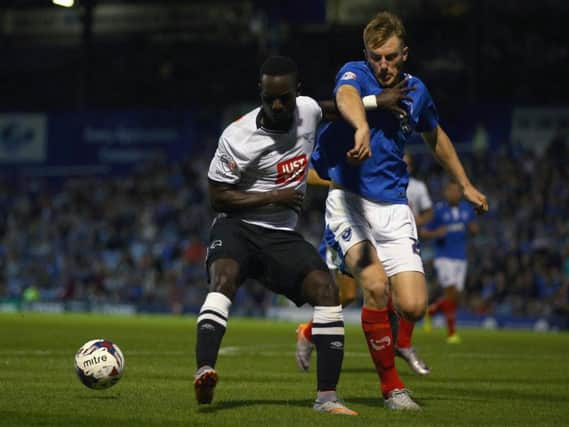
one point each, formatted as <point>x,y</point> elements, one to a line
<point>99,364</point>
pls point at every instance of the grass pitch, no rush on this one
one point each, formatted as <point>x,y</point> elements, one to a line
<point>501,378</point>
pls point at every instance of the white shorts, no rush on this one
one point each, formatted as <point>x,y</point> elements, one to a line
<point>389,227</point>
<point>451,272</point>
<point>333,260</point>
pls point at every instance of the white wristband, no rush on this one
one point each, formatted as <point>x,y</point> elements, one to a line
<point>370,102</point>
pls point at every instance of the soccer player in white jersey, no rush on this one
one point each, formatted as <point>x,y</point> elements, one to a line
<point>257,181</point>
<point>367,208</point>
<point>418,196</point>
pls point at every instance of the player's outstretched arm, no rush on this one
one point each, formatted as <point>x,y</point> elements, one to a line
<point>389,99</point>
<point>329,110</point>
<point>352,110</point>
<point>444,151</point>
<point>225,198</point>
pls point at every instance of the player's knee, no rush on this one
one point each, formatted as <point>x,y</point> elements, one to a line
<point>412,310</point>
<point>373,281</point>
<point>375,293</point>
<point>224,279</point>
<point>320,289</point>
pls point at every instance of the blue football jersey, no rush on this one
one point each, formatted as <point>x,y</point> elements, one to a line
<point>318,161</point>
<point>456,219</point>
<point>383,177</point>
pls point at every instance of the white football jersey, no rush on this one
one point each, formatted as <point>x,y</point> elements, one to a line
<point>418,196</point>
<point>256,159</point>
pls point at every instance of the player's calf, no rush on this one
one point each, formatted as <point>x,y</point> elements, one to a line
<point>328,338</point>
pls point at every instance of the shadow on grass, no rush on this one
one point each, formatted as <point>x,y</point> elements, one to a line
<point>232,404</point>
<point>486,394</point>
<point>511,380</point>
<point>99,397</point>
<point>306,404</point>
<point>358,370</point>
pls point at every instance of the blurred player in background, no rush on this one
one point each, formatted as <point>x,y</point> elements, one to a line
<point>418,196</point>
<point>257,181</point>
<point>453,221</point>
<point>367,208</point>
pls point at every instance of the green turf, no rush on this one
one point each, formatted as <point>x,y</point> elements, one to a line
<point>497,378</point>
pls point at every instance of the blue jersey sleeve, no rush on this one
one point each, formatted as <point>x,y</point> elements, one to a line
<point>429,117</point>
<point>318,162</point>
<point>350,74</point>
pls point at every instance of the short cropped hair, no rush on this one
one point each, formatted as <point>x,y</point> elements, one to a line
<point>383,26</point>
<point>279,66</point>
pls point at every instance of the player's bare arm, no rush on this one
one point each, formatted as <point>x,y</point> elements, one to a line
<point>314,179</point>
<point>352,110</point>
<point>445,153</point>
<point>225,198</point>
<point>390,101</point>
<point>329,110</point>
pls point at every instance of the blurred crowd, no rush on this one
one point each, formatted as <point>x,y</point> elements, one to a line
<point>519,263</point>
<point>130,239</point>
<point>141,238</point>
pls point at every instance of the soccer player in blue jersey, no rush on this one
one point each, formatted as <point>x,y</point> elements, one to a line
<point>453,221</point>
<point>420,203</point>
<point>367,208</point>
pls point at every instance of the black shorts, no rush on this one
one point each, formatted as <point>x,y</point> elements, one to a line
<point>279,259</point>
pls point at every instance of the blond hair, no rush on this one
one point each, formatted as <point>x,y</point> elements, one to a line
<point>383,26</point>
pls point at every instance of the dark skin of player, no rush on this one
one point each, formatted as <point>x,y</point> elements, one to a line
<point>278,104</point>
<point>278,97</point>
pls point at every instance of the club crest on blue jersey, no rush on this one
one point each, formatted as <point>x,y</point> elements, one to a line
<point>404,121</point>
<point>348,75</point>
<point>405,125</point>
